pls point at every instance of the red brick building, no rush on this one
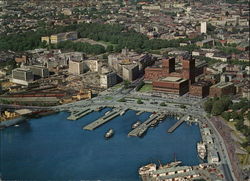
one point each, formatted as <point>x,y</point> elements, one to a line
<point>199,89</point>
<point>188,69</point>
<point>173,85</point>
<point>154,73</point>
<point>222,88</point>
<point>166,79</point>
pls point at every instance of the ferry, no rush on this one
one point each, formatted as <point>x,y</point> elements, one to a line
<point>136,124</point>
<point>201,149</point>
<point>109,133</point>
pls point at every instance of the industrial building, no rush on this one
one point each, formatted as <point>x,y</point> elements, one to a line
<point>22,76</point>
<point>76,67</point>
<point>108,79</point>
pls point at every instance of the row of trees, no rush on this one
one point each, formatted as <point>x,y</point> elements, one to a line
<point>216,105</point>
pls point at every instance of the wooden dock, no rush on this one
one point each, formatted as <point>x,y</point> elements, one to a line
<point>177,124</point>
<point>144,126</point>
<point>78,114</point>
<point>103,120</point>
<point>139,113</point>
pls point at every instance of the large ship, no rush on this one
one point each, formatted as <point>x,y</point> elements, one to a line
<point>109,133</point>
<point>147,168</point>
<point>201,149</point>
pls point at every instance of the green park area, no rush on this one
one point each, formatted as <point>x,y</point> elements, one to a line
<point>237,116</point>
<point>146,88</point>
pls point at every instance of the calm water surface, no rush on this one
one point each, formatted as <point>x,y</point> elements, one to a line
<point>54,148</point>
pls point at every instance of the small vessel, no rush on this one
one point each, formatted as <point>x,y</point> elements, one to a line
<point>154,123</point>
<point>152,115</point>
<point>16,125</point>
<point>109,133</point>
<point>107,112</point>
<point>136,124</point>
<point>98,108</point>
<point>123,112</point>
<point>201,149</point>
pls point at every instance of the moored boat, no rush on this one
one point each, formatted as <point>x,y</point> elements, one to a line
<point>107,112</point>
<point>109,133</point>
<point>136,124</point>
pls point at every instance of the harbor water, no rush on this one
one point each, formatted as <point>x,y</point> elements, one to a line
<point>54,148</point>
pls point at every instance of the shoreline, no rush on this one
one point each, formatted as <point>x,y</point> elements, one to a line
<point>21,119</point>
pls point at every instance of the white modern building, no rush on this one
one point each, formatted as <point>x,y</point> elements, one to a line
<point>204,27</point>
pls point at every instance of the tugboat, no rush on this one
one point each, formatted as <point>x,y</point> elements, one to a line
<point>136,124</point>
<point>109,133</point>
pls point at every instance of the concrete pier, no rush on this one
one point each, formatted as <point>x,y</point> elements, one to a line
<point>103,120</point>
<point>144,126</point>
<point>139,113</point>
<point>78,114</point>
<point>123,112</point>
<point>177,124</point>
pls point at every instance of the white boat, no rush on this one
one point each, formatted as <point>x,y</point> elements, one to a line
<point>107,113</point>
<point>201,149</point>
<point>16,125</point>
<point>136,124</point>
<point>123,112</point>
<point>109,133</point>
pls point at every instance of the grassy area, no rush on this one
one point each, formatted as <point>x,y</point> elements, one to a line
<point>146,88</point>
<point>117,86</point>
<point>108,43</point>
<point>244,159</point>
<point>108,98</point>
<point>235,131</point>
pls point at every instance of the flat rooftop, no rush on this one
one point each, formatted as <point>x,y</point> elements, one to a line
<point>172,79</point>
<point>222,84</point>
<point>22,70</point>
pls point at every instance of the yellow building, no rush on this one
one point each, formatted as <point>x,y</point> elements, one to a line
<point>45,38</point>
<point>83,94</point>
<point>54,39</point>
